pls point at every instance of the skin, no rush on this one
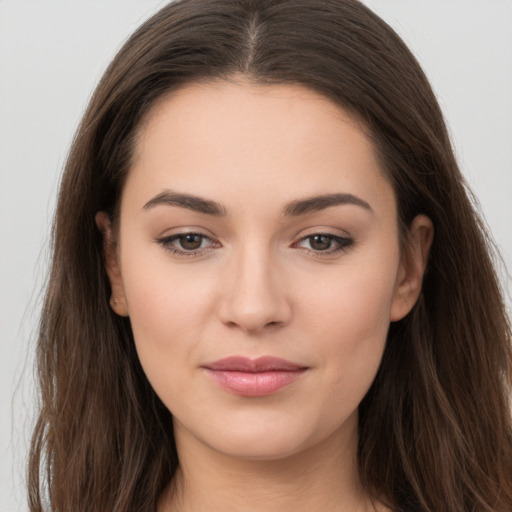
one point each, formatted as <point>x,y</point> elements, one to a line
<point>259,286</point>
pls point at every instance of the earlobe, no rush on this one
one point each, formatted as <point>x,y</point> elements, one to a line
<point>412,267</point>
<point>118,299</point>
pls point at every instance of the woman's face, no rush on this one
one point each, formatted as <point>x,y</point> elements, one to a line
<point>256,223</point>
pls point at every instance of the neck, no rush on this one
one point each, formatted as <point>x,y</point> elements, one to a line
<point>322,477</point>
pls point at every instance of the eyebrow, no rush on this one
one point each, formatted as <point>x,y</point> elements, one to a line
<point>292,209</point>
<point>195,203</point>
<point>316,203</point>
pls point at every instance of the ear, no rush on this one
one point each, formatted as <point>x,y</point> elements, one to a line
<point>118,299</point>
<point>413,264</point>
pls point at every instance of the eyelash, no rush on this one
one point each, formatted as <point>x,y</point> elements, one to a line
<point>166,243</point>
<point>344,243</point>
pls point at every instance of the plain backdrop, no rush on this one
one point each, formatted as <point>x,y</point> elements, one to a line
<point>51,56</point>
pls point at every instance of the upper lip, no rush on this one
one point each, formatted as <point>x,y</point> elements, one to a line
<point>259,365</point>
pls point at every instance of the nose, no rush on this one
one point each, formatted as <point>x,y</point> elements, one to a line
<point>254,297</point>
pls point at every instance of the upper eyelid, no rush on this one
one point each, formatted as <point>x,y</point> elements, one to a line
<point>185,230</point>
<point>323,233</point>
<point>297,237</point>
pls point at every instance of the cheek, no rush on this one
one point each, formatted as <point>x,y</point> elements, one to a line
<point>161,294</point>
<point>355,303</point>
<point>350,320</point>
<point>162,306</point>
<point>167,305</point>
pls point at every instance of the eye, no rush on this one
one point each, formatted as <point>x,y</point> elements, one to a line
<point>187,244</point>
<point>325,243</point>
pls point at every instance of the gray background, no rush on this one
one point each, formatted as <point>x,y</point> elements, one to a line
<point>52,54</point>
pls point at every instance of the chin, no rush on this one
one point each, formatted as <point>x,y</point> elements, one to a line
<point>265,446</point>
<point>282,438</point>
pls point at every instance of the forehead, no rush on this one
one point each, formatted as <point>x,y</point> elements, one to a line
<point>271,142</point>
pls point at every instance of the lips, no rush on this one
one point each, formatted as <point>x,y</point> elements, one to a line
<point>254,377</point>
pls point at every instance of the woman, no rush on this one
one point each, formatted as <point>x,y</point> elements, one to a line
<point>269,288</point>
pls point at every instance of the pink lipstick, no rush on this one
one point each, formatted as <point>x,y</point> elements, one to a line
<point>254,377</point>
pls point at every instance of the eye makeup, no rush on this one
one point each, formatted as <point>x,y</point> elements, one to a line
<point>193,244</point>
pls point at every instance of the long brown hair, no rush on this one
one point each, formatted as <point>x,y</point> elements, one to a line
<point>435,428</point>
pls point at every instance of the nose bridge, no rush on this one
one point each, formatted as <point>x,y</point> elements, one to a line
<point>255,297</point>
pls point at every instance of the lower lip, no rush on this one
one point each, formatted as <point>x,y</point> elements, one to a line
<point>254,384</point>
